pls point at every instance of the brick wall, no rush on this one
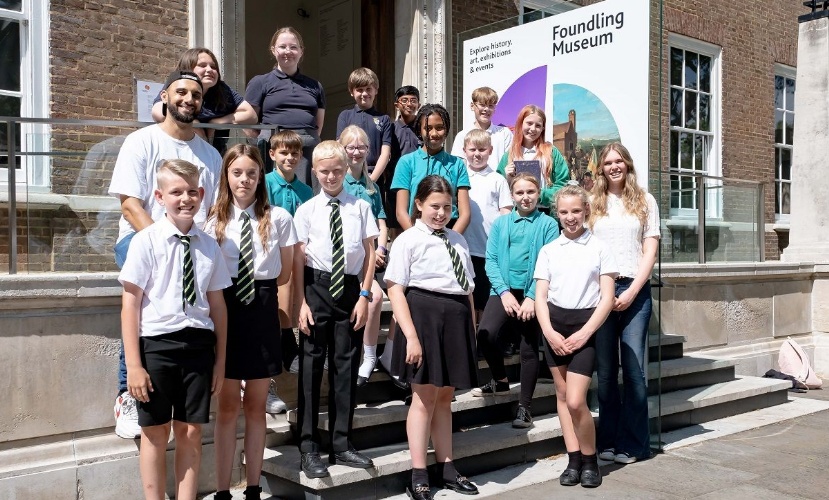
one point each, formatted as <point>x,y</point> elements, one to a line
<point>753,38</point>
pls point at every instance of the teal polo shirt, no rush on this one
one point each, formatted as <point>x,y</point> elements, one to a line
<point>357,188</point>
<point>415,166</point>
<point>288,195</point>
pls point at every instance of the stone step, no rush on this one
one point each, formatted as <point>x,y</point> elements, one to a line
<point>490,447</point>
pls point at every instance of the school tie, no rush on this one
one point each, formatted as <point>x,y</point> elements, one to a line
<point>188,285</point>
<point>337,251</point>
<point>244,282</point>
<point>457,266</point>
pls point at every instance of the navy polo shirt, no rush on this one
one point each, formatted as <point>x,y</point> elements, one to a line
<point>406,139</point>
<point>375,124</point>
<point>287,101</point>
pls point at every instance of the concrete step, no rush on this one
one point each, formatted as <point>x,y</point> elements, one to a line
<point>490,447</point>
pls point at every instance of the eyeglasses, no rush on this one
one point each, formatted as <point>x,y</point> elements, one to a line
<point>484,106</point>
<point>408,100</point>
<point>356,149</point>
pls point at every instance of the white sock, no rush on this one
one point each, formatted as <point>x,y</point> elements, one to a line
<point>369,360</point>
<point>385,358</point>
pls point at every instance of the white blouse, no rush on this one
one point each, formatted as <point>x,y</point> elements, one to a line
<point>624,233</point>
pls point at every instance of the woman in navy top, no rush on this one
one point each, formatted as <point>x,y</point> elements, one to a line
<point>287,99</point>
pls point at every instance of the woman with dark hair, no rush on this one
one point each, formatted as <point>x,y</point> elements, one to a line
<point>220,103</point>
<point>287,99</point>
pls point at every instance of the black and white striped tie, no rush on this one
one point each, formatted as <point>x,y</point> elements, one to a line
<point>244,282</point>
<point>188,284</point>
<point>457,266</point>
<point>337,251</point>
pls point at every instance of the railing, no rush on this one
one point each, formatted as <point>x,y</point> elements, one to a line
<point>710,219</point>
<point>60,216</point>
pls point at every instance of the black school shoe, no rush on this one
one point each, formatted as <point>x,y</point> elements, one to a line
<point>351,458</point>
<point>570,477</point>
<point>523,418</point>
<point>591,478</point>
<point>418,491</point>
<point>313,466</point>
<point>461,485</point>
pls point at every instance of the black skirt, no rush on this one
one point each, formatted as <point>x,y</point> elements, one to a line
<point>253,333</point>
<point>444,328</point>
<point>567,322</point>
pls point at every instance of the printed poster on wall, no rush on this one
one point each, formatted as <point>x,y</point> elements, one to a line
<point>587,68</point>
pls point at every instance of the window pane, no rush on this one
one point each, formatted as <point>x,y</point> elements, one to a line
<point>674,191</point>
<point>789,94</point>
<point>699,153</point>
<point>787,198</point>
<point>777,167</point>
<point>686,147</point>
<point>676,67</point>
<point>789,128</point>
<point>9,106</point>
<point>688,194</point>
<point>778,127</point>
<point>690,109</point>
<point>9,55</point>
<point>777,198</point>
<point>786,164</point>
<point>690,70</point>
<point>11,4</point>
<point>676,107</point>
<point>779,84</point>
<point>705,73</point>
<point>674,164</point>
<point>705,112</point>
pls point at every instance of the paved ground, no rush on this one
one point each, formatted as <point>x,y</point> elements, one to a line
<point>782,460</point>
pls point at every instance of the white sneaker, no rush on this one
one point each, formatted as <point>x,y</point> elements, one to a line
<point>608,454</point>
<point>624,458</point>
<point>273,404</point>
<point>126,417</point>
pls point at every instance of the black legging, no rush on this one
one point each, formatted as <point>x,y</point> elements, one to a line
<point>493,321</point>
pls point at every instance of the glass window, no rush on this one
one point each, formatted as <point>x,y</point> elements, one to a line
<point>693,115</point>
<point>784,87</point>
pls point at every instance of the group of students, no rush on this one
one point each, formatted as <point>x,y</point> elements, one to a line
<point>472,237</point>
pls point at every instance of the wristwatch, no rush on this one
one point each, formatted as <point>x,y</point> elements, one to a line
<point>366,294</point>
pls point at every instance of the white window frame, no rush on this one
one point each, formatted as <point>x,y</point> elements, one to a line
<point>34,94</point>
<point>787,72</point>
<point>713,199</point>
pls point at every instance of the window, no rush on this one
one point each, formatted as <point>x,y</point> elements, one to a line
<point>694,120</point>
<point>784,87</point>
<point>23,83</point>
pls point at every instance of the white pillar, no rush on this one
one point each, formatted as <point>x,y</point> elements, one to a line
<point>809,229</point>
<point>422,47</point>
<point>213,24</point>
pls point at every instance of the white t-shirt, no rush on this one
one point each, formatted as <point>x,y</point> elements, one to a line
<point>267,262</point>
<point>500,136</point>
<point>155,264</point>
<point>419,259</point>
<point>134,172</point>
<point>313,227</point>
<point>624,233</point>
<point>489,192</point>
<point>573,268</point>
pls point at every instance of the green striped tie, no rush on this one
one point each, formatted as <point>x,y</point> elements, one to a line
<point>188,285</point>
<point>337,251</point>
<point>244,282</point>
<point>457,266</point>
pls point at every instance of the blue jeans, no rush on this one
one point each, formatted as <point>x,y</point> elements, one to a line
<point>120,257</point>
<point>623,418</point>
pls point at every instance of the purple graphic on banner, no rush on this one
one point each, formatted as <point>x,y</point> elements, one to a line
<point>529,88</point>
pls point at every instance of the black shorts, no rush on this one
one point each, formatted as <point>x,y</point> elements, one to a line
<point>180,365</point>
<point>567,322</point>
<point>482,285</point>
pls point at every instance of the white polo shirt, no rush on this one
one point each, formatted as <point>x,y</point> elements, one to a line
<point>624,233</point>
<point>573,268</point>
<point>267,262</point>
<point>489,192</point>
<point>154,264</point>
<point>134,172</point>
<point>314,229</point>
<point>419,259</point>
<point>500,136</point>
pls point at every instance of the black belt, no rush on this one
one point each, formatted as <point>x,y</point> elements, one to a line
<point>624,279</point>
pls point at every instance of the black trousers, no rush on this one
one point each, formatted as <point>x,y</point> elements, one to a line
<point>493,322</point>
<point>332,335</point>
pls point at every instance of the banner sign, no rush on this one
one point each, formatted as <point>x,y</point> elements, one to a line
<point>587,68</point>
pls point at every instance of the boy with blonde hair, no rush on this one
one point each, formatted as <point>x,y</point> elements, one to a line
<point>484,100</point>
